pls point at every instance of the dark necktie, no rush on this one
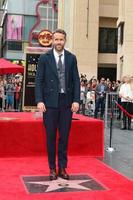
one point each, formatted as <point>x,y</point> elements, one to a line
<point>61,74</point>
<point>60,65</point>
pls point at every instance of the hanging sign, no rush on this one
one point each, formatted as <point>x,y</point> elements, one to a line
<point>45,38</point>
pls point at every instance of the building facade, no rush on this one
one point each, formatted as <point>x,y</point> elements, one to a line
<point>125,38</point>
<point>2,14</point>
<point>92,34</point>
<point>20,20</point>
<point>99,32</point>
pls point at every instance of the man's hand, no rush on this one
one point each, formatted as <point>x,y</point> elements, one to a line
<point>75,107</point>
<point>41,107</point>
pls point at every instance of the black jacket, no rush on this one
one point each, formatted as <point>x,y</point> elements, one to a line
<point>47,82</point>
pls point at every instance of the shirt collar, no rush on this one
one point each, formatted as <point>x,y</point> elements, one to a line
<point>56,54</point>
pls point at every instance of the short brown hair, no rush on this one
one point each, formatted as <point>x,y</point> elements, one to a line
<point>60,31</point>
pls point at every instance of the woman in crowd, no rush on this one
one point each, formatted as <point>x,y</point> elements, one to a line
<point>90,99</point>
<point>126,95</point>
<point>130,104</point>
<point>17,94</point>
<point>82,96</point>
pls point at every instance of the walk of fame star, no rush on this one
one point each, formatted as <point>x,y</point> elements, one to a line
<point>60,183</point>
<point>41,184</point>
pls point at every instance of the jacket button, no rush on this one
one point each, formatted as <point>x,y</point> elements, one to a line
<point>51,89</point>
<point>52,80</point>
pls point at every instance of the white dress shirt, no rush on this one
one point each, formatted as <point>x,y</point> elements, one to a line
<point>125,92</point>
<point>56,55</point>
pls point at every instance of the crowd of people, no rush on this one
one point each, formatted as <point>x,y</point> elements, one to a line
<point>93,93</point>
<point>11,92</point>
<point>93,96</point>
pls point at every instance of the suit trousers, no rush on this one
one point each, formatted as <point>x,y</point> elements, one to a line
<point>100,103</point>
<point>58,119</point>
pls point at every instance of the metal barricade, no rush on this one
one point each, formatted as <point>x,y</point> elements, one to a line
<point>90,103</point>
<point>87,107</point>
<point>110,107</point>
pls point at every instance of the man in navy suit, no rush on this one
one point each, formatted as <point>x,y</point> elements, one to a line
<point>57,93</point>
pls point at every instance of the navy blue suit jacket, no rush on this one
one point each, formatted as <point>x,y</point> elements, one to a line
<point>47,82</point>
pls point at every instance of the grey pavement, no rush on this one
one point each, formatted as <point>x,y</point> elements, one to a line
<point>121,158</point>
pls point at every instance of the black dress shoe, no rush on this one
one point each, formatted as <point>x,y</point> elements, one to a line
<point>124,128</point>
<point>63,174</point>
<point>53,174</point>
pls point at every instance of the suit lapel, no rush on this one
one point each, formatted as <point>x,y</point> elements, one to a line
<point>53,66</point>
<point>67,65</point>
<point>52,62</point>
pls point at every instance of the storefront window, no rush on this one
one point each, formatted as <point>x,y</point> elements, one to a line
<point>48,13</point>
<point>29,21</point>
<point>46,19</point>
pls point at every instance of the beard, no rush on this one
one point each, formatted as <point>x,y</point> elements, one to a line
<point>59,47</point>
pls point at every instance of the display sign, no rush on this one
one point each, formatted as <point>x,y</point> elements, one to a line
<point>45,38</point>
<point>14,27</point>
<point>29,83</point>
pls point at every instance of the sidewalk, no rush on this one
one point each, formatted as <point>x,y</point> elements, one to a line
<point>121,159</point>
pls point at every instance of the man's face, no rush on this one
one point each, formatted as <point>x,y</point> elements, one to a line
<point>102,80</point>
<point>59,41</point>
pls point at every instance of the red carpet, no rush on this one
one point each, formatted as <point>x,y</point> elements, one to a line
<point>23,135</point>
<point>22,144</point>
<point>12,187</point>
